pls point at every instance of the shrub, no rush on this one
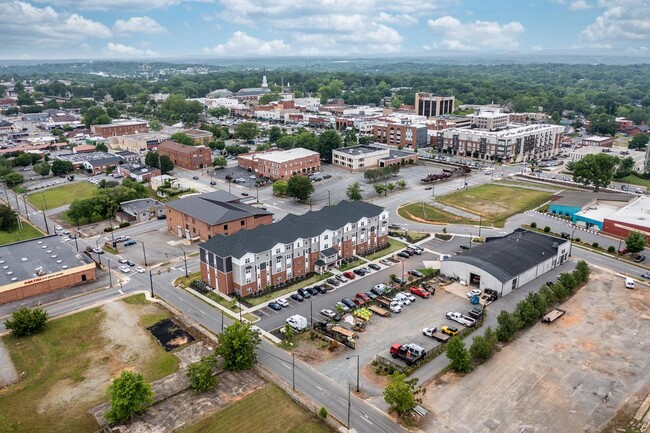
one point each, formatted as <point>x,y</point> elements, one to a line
<point>322,413</point>
<point>458,355</point>
<point>547,229</point>
<point>129,394</point>
<point>26,321</point>
<point>611,249</point>
<point>124,224</point>
<point>577,240</point>
<point>533,225</point>
<point>200,374</point>
<point>595,244</point>
<point>108,229</point>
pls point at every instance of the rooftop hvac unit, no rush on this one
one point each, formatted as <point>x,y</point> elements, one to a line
<point>40,271</point>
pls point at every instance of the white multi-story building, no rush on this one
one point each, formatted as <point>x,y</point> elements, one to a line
<point>489,120</point>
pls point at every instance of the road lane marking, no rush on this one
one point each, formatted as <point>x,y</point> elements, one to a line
<point>121,292</point>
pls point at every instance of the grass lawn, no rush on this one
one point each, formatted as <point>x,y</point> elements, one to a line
<point>427,213</point>
<point>62,362</point>
<point>354,264</point>
<point>61,195</point>
<point>634,180</point>
<point>496,203</point>
<point>292,288</point>
<point>267,410</point>
<point>516,183</point>
<point>394,246</point>
<point>28,232</point>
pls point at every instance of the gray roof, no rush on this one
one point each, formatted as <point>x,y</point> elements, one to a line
<point>252,91</point>
<point>582,198</point>
<point>329,252</point>
<point>215,207</point>
<point>133,206</point>
<point>22,258</point>
<point>358,150</point>
<point>105,161</point>
<point>290,228</point>
<point>509,256</point>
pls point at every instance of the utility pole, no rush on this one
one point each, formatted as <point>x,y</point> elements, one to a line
<point>185,259</point>
<point>357,356</point>
<point>151,283</point>
<point>110,277</point>
<point>349,404</point>
<point>144,252</point>
<point>293,371</point>
<point>44,217</point>
<point>26,210</point>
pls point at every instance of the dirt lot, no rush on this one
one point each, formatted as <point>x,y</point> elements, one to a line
<point>569,376</point>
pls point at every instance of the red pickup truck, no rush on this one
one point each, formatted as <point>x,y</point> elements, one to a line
<point>419,291</point>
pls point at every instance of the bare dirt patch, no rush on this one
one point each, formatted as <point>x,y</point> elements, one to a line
<point>570,376</point>
<point>315,351</point>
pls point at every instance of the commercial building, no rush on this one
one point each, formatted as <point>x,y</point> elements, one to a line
<point>363,157</point>
<point>395,134</point>
<point>489,120</point>
<point>140,210</point>
<point>281,164</point>
<point>94,162</point>
<point>139,142</point>
<point>188,157</point>
<point>138,172</point>
<point>597,140</point>
<point>199,136</point>
<point>630,218</point>
<point>39,266</point>
<point>513,144</point>
<point>429,105</point>
<point>200,217</point>
<point>120,128</point>
<point>252,260</point>
<point>504,264</point>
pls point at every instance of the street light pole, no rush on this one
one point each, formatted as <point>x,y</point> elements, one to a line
<point>151,282</point>
<point>349,404</point>
<point>357,356</point>
<point>110,278</point>
<point>293,371</point>
<point>311,314</point>
<point>470,238</point>
<point>480,223</point>
<point>44,217</point>
<point>185,259</point>
<point>144,253</point>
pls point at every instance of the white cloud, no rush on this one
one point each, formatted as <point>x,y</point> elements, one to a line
<point>579,5</point>
<point>623,20</point>
<point>241,44</point>
<point>399,19</point>
<point>476,35</point>
<point>138,25</point>
<point>24,25</point>
<point>129,51</point>
<point>103,5</point>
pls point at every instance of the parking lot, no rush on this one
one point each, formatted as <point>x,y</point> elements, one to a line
<point>568,376</point>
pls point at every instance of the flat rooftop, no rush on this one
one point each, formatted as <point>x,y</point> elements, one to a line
<point>511,131</point>
<point>598,212</point>
<point>358,150</point>
<point>637,212</point>
<point>19,261</point>
<point>287,155</point>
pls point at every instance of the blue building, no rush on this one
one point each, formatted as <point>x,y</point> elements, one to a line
<point>588,208</point>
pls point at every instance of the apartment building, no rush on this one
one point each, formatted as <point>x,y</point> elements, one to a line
<point>513,144</point>
<point>200,217</point>
<point>429,105</point>
<point>121,128</point>
<point>281,164</point>
<point>395,134</point>
<point>252,260</point>
<point>489,120</point>
<point>188,157</point>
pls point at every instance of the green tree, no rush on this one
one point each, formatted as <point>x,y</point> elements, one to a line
<point>8,221</point>
<point>42,168</point>
<point>163,162</point>
<point>128,395</point>
<point>247,131</point>
<point>601,123</point>
<point>217,145</point>
<point>101,147</point>
<point>635,242</point>
<point>354,191</point>
<point>390,186</point>
<point>201,374</point>
<point>12,179</point>
<point>237,346</point>
<point>269,97</point>
<point>327,142</point>
<point>508,326</point>
<point>183,138</point>
<point>155,125</point>
<point>300,188</point>
<point>219,111</point>
<point>483,346</point>
<point>402,394</point>
<point>365,139</point>
<point>559,291</point>
<point>639,141</point>
<point>219,162</point>
<point>23,160</point>
<point>95,116</point>
<point>401,183</point>
<point>280,188</point>
<point>458,355</point>
<point>596,170</point>
<point>275,133</point>
<point>581,272</point>
<point>26,321</point>
<point>379,188</point>
<point>567,280</point>
<point>236,150</point>
<point>61,167</point>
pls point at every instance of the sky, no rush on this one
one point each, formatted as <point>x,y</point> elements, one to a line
<point>151,29</point>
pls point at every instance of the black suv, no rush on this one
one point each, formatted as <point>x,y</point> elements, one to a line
<point>349,303</point>
<point>312,291</point>
<point>304,293</point>
<point>332,282</point>
<point>476,312</point>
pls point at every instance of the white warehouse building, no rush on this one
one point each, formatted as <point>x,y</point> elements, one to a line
<point>507,263</point>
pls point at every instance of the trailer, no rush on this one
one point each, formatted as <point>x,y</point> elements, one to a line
<point>344,332</point>
<point>383,301</point>
<point>409,353</point>
<point>435,334</point>
<point>378,310</point>
<point>553,315</point>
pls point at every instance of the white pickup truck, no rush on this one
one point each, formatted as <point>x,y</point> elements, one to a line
<point>460,318</point>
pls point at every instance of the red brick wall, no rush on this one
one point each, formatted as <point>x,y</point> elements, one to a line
<point>610,227</point>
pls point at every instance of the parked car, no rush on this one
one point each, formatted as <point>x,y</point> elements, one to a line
<point>374,266</point>
<point>129,243</point>
<point>125,269</point>
<point>416,273</point>
<point>341,278</point>
<point>122,260</point>
<point>370,294</point>
<point>474,292</point>
<point>348,302</point>
<point>363,296</point>
<point>297,297</point>
<point>321,289</point>
<point>98,251</point>
<point>304,293</point>
<point>140,270</point>
<point>349,275</point>
<point>449,330</point>
<point>282,302</point>
<point>342,306</point>
<point>639,258</point>
<point>419,291</point>
<point>460,318</point>
<point>312,291</point>
<point>275,306</point>
<point>332,282</point>
<point>400,281</point>
<point>404,254</point>
<point>330,314</point>
<point>646,275</point>
<point>359,302</point>
<point>359,272</point>
<point>476,312</point>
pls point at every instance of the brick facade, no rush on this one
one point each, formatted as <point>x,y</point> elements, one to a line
<point>188,157</point>
<point>117,129</point>
<point>181,225</point>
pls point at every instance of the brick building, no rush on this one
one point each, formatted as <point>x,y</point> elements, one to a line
<point>189,157</point>
<point>396,134</point>
<point>298,245</point>
<point>281,164</point>
<point>121,128</point>
<point>137,171</point>
<point>201,217</point>
<point>199,136</point>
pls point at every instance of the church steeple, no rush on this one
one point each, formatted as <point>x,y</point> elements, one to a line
<point>265,85</point>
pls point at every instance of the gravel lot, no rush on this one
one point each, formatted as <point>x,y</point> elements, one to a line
<point>569,376</point>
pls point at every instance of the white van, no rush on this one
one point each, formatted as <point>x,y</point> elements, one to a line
<point>297,322</point>
<point>629,283</point>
